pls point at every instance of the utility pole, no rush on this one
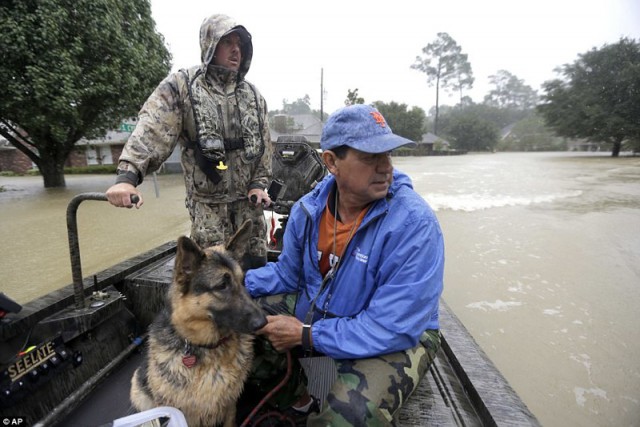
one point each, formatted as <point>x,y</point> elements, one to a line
<point>321,95</point>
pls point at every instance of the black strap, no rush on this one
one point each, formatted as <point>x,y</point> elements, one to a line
<point>234,144</point>
<point>229,145</point>
<point>206,165</point>
<point>306,337</point>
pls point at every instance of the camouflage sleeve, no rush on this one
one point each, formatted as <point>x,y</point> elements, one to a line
<point>262,174</point>
<point>157,130</point>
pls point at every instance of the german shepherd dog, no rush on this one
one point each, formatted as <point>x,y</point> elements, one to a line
<point>200,346</point>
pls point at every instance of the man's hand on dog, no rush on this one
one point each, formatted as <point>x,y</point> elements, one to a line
<point>284,332</point>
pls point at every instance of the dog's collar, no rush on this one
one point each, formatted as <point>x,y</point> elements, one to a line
<point>188,346</point>
<point>189,359</point>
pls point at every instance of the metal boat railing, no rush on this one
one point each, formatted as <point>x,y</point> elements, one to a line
<point>74,245</point>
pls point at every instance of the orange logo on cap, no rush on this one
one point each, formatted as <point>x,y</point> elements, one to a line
<point>378,118</point>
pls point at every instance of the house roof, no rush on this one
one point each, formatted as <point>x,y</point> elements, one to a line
<point>429,138</point>
<point>307,125</point>
<point>506,131</point>
<point>5,144</point>
<point>307,120</point>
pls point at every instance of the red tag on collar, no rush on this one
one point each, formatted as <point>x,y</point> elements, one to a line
<point>189,360</point>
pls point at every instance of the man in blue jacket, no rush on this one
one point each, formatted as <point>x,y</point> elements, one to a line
<point>360,274</point>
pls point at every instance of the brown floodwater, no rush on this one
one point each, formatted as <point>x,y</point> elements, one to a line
<point>542,263</point>
<point>33,228</point>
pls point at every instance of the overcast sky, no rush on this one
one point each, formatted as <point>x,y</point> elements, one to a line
<point>370,45</point>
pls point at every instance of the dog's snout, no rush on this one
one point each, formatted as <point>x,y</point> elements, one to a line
<point>258,322</point>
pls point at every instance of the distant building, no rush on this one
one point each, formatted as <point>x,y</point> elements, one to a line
<point>583,145</point>
<point>104,150</point>
<point>107,149</point>
<point>429,145</point>
<point>505,132</point>
<point>434,142</point>
<point>12,159</point>
<point>307,125</point>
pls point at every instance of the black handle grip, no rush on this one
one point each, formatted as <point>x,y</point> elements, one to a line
<point>253,198</point>
<point>135,199</point>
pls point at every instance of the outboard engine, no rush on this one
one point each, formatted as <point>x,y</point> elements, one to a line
<point>297,168</point>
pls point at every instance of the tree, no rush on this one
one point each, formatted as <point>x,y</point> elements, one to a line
<point>407,123</point>
<point>282,123</point>
<point>531,134</point>
<point>445,64</point>
<point>632,145</point>
<point>323,115</point>
<point>353,98</point>
<point>282,120</point>
<point>599,97</point>
<point>463,78</point>
<point>299,106</point>
<point>510,92</point>
<point>467,129</point>
<point>499,117</point>
<point>73,69</point>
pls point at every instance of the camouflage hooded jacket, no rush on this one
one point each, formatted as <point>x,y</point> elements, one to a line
<point>205,103</point>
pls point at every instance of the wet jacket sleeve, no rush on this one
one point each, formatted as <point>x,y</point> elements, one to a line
<point>282,276</point>
<point>405,303</point>
<point>157,130</point>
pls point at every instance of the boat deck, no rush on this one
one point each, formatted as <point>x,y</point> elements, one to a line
<point>462,387</point>
<point>435,403</point>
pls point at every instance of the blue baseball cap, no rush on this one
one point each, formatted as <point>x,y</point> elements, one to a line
<point>363,128</point>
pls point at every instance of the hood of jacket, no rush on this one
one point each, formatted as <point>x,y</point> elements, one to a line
<point>212,30</point>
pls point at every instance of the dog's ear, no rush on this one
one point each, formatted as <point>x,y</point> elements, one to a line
<point>189,256</point>
<point>239,242</point>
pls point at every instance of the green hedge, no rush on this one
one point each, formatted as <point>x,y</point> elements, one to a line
<point>78,170</point>
<point>95,169</point>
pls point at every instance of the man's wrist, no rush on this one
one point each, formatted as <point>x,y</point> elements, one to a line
<point>257,185</point>
<point>128,177</point>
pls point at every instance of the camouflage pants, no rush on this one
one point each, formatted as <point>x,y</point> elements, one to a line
<point>214,223</point>
<point>367,392</point>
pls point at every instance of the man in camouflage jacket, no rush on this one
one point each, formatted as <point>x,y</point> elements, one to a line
<point>220,122</point>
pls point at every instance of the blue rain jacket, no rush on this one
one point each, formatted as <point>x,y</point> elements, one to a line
<point>388,285</point>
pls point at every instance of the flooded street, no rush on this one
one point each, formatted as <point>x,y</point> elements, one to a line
<point>33,229</point>
<point>543,269</point>
<point>542,263</point>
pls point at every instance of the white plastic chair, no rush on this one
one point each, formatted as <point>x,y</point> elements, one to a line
<point>175,416</point>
